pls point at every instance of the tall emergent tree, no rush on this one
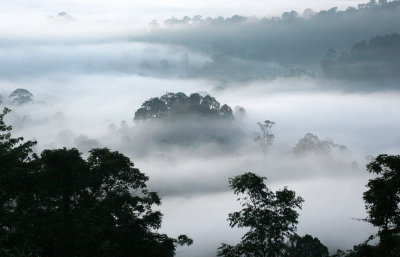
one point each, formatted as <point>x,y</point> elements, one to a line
<point>382,201</point>
<point>270,216</point>
<point>60,204</point>
<point>265,137</point>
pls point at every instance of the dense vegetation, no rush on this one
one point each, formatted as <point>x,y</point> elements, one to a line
<point>178,104</point>
<point>241,47</point>
<point>60,204</point>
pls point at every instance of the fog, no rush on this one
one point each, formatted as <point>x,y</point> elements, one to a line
<point>192,178</point>
<point>292,40</point>
<point>91,68</point>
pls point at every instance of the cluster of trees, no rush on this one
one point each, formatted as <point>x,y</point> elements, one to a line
<point>272,217</point>
<point>179,104</point>
<point>60,204</point>
<point>312,144</point>
<point>377,59</point>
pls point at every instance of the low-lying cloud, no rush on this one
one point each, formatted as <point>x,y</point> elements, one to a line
<point>292,40</point>
<point>88,79</point>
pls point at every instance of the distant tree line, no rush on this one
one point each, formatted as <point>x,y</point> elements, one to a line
<point>290,16</point>
<point>233,43</point>
<point>378,58</point>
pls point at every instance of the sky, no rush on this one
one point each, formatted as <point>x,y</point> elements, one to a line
<point>90,69</point>
<point>28,20</point>
<point>153,9</point>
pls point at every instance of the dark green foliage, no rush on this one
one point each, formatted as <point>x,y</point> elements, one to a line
<point>306,246</point>
<point>363,250</point>
<point>366,250</point>
<point>339,253</point>
<point>382,199</point>
<point>271,218</point>
<point>382,249</point>
<point>173,105</point>
<point>59,204</point>
<point>17,162</point>
<point>383,196</point>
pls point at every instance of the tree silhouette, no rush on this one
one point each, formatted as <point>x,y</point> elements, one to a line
<point>382,201</point>
<point>265,137</point>
<point>17,161</point>
<point>60,204</point>
<point>306,246</point>
<point>270,216</point>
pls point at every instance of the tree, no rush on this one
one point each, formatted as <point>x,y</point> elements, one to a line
<point>209,105</point>
<point>306,246</point>
<point>226,112</point>
<point>60,204</point>
<point>265,137</point>
<point>312,144</point>
<point>20,96</point>
<point>270,216</point>
<point>152,108</point>
<point>17,161</point>
<point>382,200</point>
